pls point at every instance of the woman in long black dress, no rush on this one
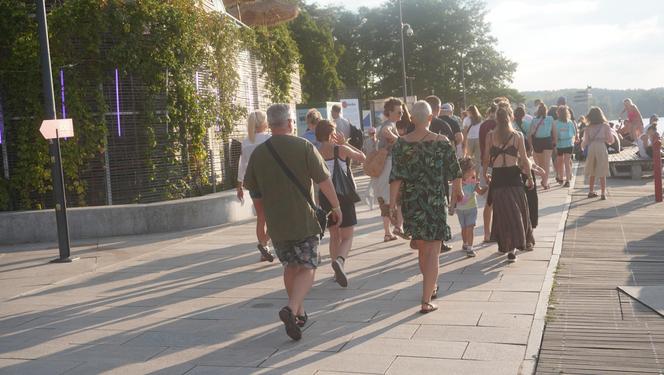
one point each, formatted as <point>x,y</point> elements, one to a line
<point>511,226</point>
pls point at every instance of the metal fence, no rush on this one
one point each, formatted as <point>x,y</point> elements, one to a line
<point>122,173</point>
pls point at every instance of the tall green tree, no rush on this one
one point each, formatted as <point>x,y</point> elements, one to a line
<point>444,32</point>
<point>318,64</point>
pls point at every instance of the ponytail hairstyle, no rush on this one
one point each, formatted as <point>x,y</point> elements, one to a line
<point>504,122</point>
<point>563,113</point>
<point>256,119</point>
<point>541,110</point>
<point>324,129</point>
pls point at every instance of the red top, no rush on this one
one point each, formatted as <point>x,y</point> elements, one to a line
<point>632,115</point>
<point>485,128</point>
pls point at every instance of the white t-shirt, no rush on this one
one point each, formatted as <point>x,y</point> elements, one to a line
<point>474,131</point>
<point>247,149</point>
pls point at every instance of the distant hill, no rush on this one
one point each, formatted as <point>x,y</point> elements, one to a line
<point>649,101</point>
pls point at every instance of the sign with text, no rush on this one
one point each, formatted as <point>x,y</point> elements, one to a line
<point>52,129</point>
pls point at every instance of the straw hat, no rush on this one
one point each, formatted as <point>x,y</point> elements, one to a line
<point>262,12</point>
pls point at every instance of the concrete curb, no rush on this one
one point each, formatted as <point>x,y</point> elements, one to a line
<point>529,364</point>
<point>126,220</point>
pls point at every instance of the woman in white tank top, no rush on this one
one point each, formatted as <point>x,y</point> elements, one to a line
<point>333,146</point>
<point>257,134</point>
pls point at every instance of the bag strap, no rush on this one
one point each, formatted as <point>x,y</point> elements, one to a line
<point>290,174</point>
<point>537,127</point>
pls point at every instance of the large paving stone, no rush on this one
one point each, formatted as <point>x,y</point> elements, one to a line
<point>493,352</point>
<point>35,367</point>
<point>499,335</point>
<point>427,366</point>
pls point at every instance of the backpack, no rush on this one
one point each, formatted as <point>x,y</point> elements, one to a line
<point>356,137</point>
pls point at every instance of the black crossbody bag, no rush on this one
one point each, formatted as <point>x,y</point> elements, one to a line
<point>321,215</point>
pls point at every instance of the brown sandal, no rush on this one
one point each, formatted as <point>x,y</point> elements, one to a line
<point>389,237</point>
<point>434,295</point>
<point>399,232</point>
<point>428,307</point>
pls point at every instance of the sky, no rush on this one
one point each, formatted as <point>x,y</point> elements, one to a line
<point>613,44</point>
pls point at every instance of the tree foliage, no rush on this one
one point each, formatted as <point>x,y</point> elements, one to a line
<point>279,56</point>
<point>161,44</point>
<point>444,31</point>
<point>312,33</point>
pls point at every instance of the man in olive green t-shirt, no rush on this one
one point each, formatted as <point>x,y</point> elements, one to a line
<point>291,221</point>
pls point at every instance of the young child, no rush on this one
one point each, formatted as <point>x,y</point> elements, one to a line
<point>466,209</point>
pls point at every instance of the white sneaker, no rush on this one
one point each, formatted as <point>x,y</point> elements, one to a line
<point>470,253</point>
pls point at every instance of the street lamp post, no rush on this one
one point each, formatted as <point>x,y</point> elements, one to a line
<point>409,31</point>
<point>54,144</point>
<point>463,81</point>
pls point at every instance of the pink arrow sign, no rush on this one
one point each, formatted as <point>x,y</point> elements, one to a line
<point>52,129</point>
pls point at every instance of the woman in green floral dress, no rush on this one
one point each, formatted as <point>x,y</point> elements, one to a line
<point>421,162</point>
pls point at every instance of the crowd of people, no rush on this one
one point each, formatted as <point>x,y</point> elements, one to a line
<point>426,164</point>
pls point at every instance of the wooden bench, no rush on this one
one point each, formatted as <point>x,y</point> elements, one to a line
<point>628,163</point>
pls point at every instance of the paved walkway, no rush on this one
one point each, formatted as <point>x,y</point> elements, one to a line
<point>592,327</point>
<point>200,303</point>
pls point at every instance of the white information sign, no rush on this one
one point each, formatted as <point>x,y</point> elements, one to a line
<point>52,129</point>
<point>351,111</point>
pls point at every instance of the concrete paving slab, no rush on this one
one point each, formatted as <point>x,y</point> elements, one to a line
<point>339,362</point>
<point>426,366</point>
<point>493,352</point>
<point>474,334</point>
<point>401,347</point>
<point>35,367</point>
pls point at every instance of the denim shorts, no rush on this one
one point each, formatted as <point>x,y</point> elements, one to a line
<point>302,252</point>
<point>467,218</point>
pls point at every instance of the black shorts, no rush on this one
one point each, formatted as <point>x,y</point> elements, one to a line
<point>347,211</point>
<point>565,150</point>
<point>542,144</point>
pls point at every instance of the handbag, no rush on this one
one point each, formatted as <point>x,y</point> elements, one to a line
<point>321,215</point>
<point>375,162</point>
<point>343,181</point>
<point>533,133</point>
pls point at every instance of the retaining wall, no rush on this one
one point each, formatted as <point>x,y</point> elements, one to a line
<point>128,219</point>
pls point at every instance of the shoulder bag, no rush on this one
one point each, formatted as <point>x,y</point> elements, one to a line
<point>342,181</point>
<point>375,162</point>
<point>321,215</point>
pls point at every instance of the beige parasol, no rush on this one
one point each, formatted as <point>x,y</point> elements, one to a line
<point>262,12</point>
